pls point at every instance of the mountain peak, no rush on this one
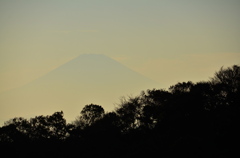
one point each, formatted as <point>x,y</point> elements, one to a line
<point>92,56</point>
<point>88,78</point>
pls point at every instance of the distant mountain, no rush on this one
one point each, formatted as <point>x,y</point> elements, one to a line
<point>86,79</point>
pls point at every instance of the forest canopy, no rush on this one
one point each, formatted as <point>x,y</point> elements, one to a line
<point>189,119</point>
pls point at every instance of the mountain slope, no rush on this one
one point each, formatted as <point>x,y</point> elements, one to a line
<point>86,79</point>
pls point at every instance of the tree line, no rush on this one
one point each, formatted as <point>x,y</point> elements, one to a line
<point>189,119</point>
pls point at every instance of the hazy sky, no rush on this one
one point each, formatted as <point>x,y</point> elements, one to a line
<point>165,40</point>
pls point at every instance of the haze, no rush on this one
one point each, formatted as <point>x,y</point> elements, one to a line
<point>166,41</point>
<point>89,78</point>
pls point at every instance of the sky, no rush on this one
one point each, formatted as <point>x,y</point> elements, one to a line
<point>168,41</point>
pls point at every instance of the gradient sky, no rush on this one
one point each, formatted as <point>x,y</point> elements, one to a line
<point>168,41</point>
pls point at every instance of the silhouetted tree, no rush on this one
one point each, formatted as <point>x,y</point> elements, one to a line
<point>181,87</point>
<point>155,102</point>
<point>48,127</point>
<point>57,126</point>
<point>129,113</point>
<point>228,76</point>
<point>22,125</point>
<point>15,130</point>
<point>226,83</point>
<point>89,114</point>
<point>226,113</point>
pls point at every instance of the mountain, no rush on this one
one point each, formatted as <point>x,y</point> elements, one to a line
<point>86,79</point>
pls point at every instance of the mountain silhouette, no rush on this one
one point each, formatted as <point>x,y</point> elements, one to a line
<point>89,78</point>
